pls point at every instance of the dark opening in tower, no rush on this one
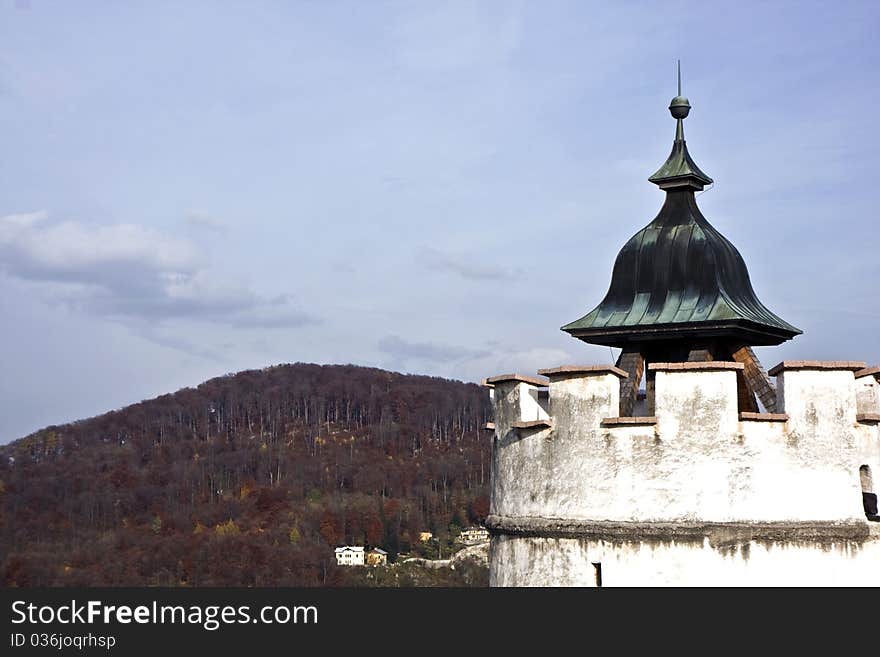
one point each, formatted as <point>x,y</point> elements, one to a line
<point>869,497</point>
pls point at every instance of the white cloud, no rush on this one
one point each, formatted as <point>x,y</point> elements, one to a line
<point>130,273</point>
<point>30,247</point>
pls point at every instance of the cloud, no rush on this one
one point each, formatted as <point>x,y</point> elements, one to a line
<point>465,266</point>
<point>503,359</point>
<point>79,253</point>
<point>403,350</point>
<point>476,364</point>
<point>131,274</point>
<point>204,221</point>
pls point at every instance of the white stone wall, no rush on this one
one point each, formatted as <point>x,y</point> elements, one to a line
<point>540,472</point>
<point>528,561</point>
<point>696,410</point>
<point>867,395</point>
<point>515,401</point>
<point>698,463</point>
<point>868,449</point>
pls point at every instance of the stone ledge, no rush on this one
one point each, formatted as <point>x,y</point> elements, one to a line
<point>489,426</point>
<point>709,365</point>
<point>522,378</point>
<point>851,365</point>
<point>868,418</point>
<point>718,533</point>
<point>563,370</point>
<point>532,424</point>
<point>868,371</point>
<point>763,417</point>
<point>629,421</point>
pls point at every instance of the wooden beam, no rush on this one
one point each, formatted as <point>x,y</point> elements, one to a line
<point>756,379</point>
<point>632,362</point>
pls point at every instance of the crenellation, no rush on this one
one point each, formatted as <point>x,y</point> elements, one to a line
<point>580,395</point>
<point>696,401</point>
<point>698,460</point>
<point>867,384</point>
<point>516,398</point>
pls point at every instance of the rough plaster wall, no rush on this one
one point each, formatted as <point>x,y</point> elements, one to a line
<point>868,448</point>
<point>503,473</point>
<point>632,451</point>
<point>704,464</point>
<point>779,483</point>
<point>818,402</point>
<point>701,463</point>
<point>581,481</point>
<point>697,424</point>
<point>867,395</point>
<point>517,482</point>
<point>522,561</point>
<point>696,408</point>
<point>506,405</point>
<point>515,401</point>
<point>821,432</point>
<point>514,450</point>
<point>547,472</point>
<point>754,476</point>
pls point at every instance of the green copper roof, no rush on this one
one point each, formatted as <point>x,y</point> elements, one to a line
<point>679,168</point>
<point>678,277</point>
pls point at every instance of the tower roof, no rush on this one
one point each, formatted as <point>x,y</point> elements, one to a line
<point>679,277</point>
<point>679,169</point>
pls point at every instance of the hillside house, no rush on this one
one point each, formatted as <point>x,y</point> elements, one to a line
<point>377,557</point>
<point>350,555</point>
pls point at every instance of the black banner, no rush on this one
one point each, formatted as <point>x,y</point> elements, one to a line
<point>151,621</point>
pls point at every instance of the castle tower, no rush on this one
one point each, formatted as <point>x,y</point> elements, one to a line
<point>702,489</point>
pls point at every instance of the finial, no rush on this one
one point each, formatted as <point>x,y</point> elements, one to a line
<point>679,107</point>
<point>679,170</point>
<point>679,77</point>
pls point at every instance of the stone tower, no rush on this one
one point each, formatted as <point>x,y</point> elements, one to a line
<point>696,487</point>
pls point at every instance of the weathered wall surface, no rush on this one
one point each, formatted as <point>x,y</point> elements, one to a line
<point>542,471</point>
<point>536,561</point>
<point>867,395</point>
<point>697,461</point>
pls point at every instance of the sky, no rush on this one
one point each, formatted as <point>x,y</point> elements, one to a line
<point>193,189</point>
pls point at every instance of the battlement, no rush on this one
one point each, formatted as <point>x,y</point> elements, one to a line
<point>562,449</point>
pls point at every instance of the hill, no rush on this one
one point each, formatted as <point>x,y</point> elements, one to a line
<point>249,479</point>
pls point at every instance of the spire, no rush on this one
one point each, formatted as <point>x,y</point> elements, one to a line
<point>680,170</point>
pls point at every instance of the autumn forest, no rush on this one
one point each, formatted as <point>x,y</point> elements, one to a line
<point>250,479</point>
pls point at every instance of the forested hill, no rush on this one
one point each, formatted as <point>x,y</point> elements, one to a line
<point>250,479</point>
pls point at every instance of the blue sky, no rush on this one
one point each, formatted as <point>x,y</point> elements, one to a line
<point>190,189</point>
